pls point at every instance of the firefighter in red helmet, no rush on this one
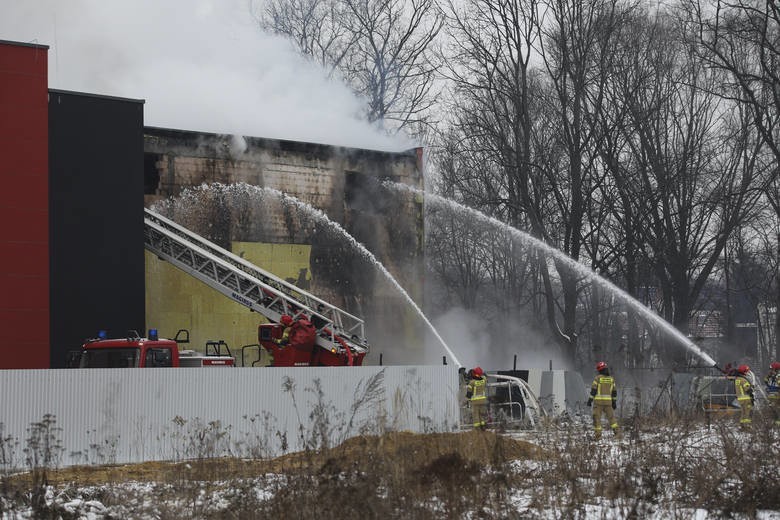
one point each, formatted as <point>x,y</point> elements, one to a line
<point>603,399</point>
<point>745,397</point>
<point>772,382</point>
<point>476,393</point>
<point>287,321</point>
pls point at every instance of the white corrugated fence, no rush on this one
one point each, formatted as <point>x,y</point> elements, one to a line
<point>97,416</point>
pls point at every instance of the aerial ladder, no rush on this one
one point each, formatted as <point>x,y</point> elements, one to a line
<point>337,330</point>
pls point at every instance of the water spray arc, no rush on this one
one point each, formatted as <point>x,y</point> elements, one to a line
<point>575,266</point>
<point>367,254</point>
<point>334,226</point>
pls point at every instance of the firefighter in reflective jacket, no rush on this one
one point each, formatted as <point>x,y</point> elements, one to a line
<point>744,396</point>
<point>603,399</point>
<point>476,393</point>
<point>772,382</point>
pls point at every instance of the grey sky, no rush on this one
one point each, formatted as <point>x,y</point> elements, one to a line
<point>200,65</point>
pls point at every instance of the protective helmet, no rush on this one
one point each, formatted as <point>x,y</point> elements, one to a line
<point>600,366</point>
<point>775,365</point>
<point>743,369</point>
<point>478,372</point>
<point>286,320</point>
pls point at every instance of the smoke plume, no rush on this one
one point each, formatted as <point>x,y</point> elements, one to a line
<point>201,65</point>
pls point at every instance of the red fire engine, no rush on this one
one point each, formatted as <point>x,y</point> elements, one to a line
<point>134,351</point>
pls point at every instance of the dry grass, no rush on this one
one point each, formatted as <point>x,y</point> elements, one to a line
<point>669,462</point>
<point>421,450</point>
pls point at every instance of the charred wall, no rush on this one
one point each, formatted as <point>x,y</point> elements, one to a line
<point>344,183</point>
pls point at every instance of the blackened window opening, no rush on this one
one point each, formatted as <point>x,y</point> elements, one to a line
<point>151,173</point>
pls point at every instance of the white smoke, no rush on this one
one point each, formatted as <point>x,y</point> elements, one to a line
<point>463,332</point>
<point>200,65</point>
<point>493,345</point>
<point>237,146</point>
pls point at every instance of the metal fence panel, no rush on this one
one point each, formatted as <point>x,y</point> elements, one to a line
<point>126,415</point>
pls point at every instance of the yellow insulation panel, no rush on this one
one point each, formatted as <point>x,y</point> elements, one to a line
<point>175,300</point>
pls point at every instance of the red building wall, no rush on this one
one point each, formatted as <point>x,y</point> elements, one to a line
<point>24,206</point>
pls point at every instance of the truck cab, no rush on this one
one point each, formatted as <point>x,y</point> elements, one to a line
<point>134,351</point>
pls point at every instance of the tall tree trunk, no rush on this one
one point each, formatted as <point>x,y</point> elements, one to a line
<point>777,304</point>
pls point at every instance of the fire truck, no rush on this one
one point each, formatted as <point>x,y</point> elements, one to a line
<point>337,337</point>
<point>133,351</point>
<point>304,353</point>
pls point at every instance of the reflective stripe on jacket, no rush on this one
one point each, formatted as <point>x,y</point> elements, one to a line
<point>603,388</point>
<point>478,388</point>
<point>742,386</point>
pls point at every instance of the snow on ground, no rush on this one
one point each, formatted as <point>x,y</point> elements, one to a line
<point>542,491</point>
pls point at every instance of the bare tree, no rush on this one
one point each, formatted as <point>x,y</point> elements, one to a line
<point>773,197</point>
<point>491,45</point>
<point>485,264</point>
<point>742,38</point>
<point>533,130</point>
<point>454,249</point>
<point>760,253</point>
<point>380,48</point>
<point>695,158</point>
<point>618,243</point>
<point>313,26</point>
<point>577,54</point>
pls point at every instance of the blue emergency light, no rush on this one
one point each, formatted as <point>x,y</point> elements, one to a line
<point>153,334</point>
<point>102,334</point>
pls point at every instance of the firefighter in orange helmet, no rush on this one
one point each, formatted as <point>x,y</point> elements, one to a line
<point>772,382</point>
<point>287,321</point>
<point>745,397</point>
<point>603,399</point>
<point>476,393</point>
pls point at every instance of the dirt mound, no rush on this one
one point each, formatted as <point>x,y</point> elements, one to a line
<point>481,447</point>
<point>436,454</point>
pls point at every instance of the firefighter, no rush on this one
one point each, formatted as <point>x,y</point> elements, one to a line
<point>744,396</point>
<point>476,393</point>
<point>772,382</point>
<point>287,321</point>
<point>603,399</point>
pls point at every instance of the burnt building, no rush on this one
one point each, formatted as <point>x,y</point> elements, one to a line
<point>227,188</point>
<point>78,169</point>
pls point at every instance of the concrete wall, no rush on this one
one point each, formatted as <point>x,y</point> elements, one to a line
<point>101,416</point>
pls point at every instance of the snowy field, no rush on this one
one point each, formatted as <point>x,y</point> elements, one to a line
<point>682,470</point>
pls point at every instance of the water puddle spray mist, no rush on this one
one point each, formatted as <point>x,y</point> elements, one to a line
<point>320,216</point>
<point>575,266</point>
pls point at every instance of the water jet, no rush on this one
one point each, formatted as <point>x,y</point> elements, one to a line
<point>572,264</point>
<point>222,190</point>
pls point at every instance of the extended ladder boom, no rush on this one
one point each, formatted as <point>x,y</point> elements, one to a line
<point>249,285</point>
